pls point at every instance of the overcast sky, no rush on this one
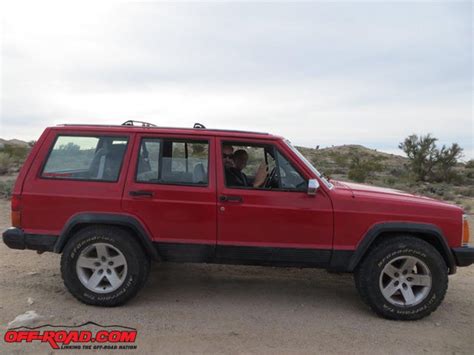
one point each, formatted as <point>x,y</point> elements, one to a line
<point>319,73</point>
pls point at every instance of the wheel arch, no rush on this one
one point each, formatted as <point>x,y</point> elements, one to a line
<point>427,232</point>
<point>130,223</point>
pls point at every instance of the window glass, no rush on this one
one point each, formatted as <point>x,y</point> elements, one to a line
<point>260,167</point>
<point>249,166</point>
<point>148,158</point>
<point>86,158</point>
<point>173,162</point>
<point>290,178</point>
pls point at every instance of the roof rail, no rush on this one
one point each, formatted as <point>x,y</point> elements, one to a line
<point>138,123</point>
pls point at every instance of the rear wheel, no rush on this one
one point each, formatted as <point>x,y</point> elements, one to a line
<point>402,278</point>
<point>104,266</point>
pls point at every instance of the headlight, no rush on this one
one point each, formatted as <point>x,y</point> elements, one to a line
<point>465,230</point>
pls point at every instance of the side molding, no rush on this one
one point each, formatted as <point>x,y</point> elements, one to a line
<point>423,229</point>
<point>107,218</point>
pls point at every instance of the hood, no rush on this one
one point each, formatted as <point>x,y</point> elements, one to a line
<point>354,187</point>
<point>361,189</point>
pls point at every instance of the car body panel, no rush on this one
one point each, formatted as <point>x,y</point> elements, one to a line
<point>358,210</point>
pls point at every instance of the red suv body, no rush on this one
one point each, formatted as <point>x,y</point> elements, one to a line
<point>131,194</point>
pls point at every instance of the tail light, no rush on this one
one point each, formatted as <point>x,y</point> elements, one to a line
<point>465,231</point>
<point>16,211</point>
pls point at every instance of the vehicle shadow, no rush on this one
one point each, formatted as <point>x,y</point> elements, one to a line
<point>248,286</point>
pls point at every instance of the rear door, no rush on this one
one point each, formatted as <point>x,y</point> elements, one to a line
<point>171,188</point>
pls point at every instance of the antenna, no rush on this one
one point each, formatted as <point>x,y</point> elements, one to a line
<point>199,125</point>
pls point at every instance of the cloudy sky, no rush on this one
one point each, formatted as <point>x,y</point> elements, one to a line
<point>319,73</point>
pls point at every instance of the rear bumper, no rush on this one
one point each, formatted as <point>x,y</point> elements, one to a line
<point>15,238</point>
<point>464,256</point>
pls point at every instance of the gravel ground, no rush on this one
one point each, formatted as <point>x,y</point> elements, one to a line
<point>186,308</point>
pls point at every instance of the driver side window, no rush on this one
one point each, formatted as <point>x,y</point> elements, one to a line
<point>254,166</point>
<point>248,165</point>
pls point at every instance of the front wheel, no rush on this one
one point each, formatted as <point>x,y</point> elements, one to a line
<point>402,278</point>
<point>104,266</point>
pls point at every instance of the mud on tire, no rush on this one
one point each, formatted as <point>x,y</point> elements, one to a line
<point>386,269</point>
<point>120,246</point>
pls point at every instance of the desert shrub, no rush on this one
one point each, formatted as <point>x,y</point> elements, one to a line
<point>467,191</point>
<point>17,153</point>
<point>470,164</point>
<point>361,169</point>
<point>427,162</point>
<point>6,188</point>
<point>6,163</point>
<point>397,172</point>
<point>448,196</point>
<point>446,160</point>
<point>340,160</point>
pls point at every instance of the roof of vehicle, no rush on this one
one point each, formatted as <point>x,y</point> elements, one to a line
<point>145,127</point>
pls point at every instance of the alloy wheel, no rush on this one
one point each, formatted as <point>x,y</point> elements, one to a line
<point>101,268</point>
<point>405,281</point>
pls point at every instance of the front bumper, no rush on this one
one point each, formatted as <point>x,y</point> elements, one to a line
<point>464,256</point>
<point>15,238</point>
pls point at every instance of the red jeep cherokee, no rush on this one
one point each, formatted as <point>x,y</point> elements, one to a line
<point>113,198</point>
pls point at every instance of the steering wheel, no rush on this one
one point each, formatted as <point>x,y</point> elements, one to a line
<point>270,179</point>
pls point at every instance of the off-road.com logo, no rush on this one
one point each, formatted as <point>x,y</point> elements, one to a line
<point>103,338</point>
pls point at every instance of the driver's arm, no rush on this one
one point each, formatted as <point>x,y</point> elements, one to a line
<point>260,176</point>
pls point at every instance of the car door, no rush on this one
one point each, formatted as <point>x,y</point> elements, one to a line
<point>171,189</point>
<point>273,224</point>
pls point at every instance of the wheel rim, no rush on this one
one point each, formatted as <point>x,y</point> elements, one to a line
<point>405,281</point>
<point>101,268</point>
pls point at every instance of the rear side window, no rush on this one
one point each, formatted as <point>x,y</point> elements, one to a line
<point>86,158</point>
<point>177,162</point>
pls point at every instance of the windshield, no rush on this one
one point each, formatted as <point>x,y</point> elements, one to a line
<point>309,165</point>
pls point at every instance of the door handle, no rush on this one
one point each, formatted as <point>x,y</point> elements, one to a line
<point>141,193</point>
<point>236,199</point>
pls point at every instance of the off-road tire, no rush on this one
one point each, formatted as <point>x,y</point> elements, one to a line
<point>367,277</point>
<point>138,265</point>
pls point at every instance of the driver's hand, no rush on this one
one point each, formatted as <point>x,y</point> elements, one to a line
<point>261,175</point>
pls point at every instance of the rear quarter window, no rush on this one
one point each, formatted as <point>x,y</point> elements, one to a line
<point>96,158</point>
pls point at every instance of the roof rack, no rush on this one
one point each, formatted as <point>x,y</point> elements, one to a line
<point>138,123</point>
<point>141,124</point>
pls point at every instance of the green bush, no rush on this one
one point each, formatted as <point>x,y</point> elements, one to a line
<point>470,164</point>
<point>17,153</point>
<point>427,161</point>
<point>6,162</point>
<point>6,188</point>
<point>361,169</point>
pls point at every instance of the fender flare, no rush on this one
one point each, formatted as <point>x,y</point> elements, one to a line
<point>421,229</point>
<point>110,219</point>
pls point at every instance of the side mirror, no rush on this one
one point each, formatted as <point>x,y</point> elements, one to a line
<point>313,186</point>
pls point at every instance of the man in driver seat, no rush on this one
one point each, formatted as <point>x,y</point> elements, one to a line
<point>236,177</point>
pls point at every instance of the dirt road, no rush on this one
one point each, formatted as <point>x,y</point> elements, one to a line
<point>228,309</point>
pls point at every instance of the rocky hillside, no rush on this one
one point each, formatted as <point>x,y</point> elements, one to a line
<point>15,142</point>
<point>390,170</point>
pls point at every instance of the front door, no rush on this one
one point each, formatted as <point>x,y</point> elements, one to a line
<point>171,189</point>
<point>271,220</point>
